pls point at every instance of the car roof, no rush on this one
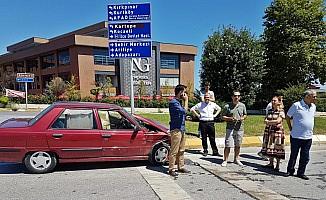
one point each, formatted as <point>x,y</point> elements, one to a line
<point>75,104</point>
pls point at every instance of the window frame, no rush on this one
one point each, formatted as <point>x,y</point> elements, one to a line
<point>121,114</point>
<point>95,124</point>
<point>166,58</point>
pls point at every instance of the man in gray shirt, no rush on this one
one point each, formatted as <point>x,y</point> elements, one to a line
<point>235,114</point>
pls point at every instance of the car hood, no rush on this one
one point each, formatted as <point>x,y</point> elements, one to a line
<point>156,124</point>
<point>15,123</point>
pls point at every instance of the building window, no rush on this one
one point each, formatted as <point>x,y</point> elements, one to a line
<point>101,57</point>
<point>46,79</point>
<point>48,61</point>
<point>19,67</point>
<point>66,76</point>
<point>64,57</point>
<point>169,82</point>
<point>170,61</point>
<point>167,85</point>
<point>31,65</point>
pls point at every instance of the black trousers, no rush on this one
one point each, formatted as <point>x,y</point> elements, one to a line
<point>304,147</point>
<point>207,129</point>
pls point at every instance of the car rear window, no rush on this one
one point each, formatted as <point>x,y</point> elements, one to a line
<point>40,115</point>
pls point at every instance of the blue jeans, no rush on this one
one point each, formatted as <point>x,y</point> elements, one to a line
<point>304,147</point>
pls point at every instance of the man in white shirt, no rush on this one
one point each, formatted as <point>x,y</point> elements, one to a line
<point>300,119</point>
<point>207,112</point>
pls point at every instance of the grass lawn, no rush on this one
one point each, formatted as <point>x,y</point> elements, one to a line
<point>254,124</point>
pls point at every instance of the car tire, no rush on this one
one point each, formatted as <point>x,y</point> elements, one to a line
<point>40,162</point>
<point>159,154</point>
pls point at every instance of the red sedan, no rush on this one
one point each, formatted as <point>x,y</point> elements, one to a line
<point>81,132</point>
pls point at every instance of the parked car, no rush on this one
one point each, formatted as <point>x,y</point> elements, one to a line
<point>68,132</point>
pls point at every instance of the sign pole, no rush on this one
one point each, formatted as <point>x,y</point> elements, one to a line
<point>26,94</point>
<point>132,100</point>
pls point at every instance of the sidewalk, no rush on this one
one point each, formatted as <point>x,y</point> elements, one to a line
<point>254,141</point>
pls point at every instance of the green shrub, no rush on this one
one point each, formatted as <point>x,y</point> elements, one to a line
<point>163,103</point>
<point>106,100</point>
<point>321,104</point>
<point>292,94</point>
<point>41,99</point>
<point>87,99</point>
<point>4,100</point>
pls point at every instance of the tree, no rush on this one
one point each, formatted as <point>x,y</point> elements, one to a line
<point>102,88</point>
<point>72,91</point>
<point>105,86</point>
<point>141,89</point>
<point>56,87</point>
<point>233,60</point>
<point>294,39</point>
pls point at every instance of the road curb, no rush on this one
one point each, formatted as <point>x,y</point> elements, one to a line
<point>253,141</point>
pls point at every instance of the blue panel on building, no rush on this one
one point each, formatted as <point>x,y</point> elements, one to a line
<point>130,31</point>
<point>131,49</point>
<point>129,12</point>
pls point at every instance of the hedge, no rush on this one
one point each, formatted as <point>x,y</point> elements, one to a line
<point>139,103</point>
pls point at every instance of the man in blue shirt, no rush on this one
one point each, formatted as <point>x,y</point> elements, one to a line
<point>300,119</point>
<point>177,130</point>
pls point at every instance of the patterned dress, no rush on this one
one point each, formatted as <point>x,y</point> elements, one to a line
<point>273,140</point>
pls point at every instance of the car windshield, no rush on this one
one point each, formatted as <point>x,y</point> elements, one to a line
<point>132,117</point>
<point>38,116</point>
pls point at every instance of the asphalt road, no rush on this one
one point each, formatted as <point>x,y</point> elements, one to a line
<point>139,180</point>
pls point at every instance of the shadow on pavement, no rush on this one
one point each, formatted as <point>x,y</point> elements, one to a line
<point>12,168</point>
<point>99,165</point>
<point>251,157</point>
<point>15,168</point>
<point>262,168</point>
<point>194,151</point>
<point>161,169</point>
<point>213,160</point>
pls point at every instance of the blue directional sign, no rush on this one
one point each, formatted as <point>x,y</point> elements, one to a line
<point>131,49</point>
<point>129,12</point>
<point>30,80</point>
<point>130,31</point>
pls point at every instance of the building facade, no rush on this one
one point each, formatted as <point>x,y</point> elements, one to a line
<point>84,54</point>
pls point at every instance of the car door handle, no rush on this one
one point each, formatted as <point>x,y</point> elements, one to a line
<point>106,135</point>
<point>57,135</point>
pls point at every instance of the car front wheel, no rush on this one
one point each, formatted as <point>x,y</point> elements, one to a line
<point>159,154</point>
<point>40,162</point>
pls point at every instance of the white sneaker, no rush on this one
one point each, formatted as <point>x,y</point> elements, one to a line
<point>238,162</point>
<point>224,163</point>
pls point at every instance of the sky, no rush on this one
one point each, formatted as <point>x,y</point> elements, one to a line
<point>173,21</point>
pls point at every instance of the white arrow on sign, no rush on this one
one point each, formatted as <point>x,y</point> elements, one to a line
<point>112,55</point>
<point>111,44</point>
<point>111,13</point>
<point>110,7</point>
<point>111,36</point>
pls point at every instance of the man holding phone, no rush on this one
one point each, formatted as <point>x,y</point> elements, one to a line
<point>177,130</point>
